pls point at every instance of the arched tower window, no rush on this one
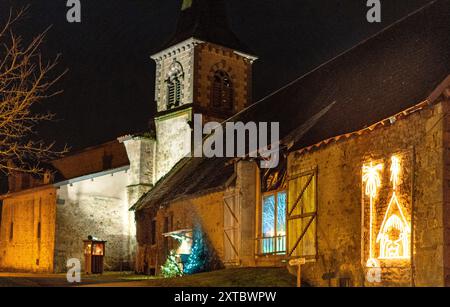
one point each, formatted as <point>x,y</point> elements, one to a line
<point>222,91</point>
<point>174,85</point>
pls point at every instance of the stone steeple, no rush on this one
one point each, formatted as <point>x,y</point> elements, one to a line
<point>206,20</point>
<point>203,69</point>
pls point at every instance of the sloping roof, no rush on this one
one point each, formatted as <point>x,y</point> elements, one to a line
<point>378,78</point>
<point>191,176</point>
<point>382,76</point>
<point>205,20</point>
<point>92,160</point>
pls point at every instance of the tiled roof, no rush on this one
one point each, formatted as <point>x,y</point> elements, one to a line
<point>191,176</point>
<point>91,160</point>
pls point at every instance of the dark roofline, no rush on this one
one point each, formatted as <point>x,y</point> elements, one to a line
<point>84,150</point>
<point>205,20</point>
<point>235,116</point>
<point>391,120</point>
<point>92,176</point>
<point>171,173</point>
<point>59,184</point>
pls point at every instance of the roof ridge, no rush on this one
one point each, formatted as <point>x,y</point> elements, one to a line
<point>334,58</point>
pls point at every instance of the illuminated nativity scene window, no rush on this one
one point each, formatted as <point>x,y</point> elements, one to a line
<point>387,211</point>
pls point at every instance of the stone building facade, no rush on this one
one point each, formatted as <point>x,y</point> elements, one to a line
<point>360,192</point>
<point>342,229</point>
<point>197,72</point>
<point>27,233</point>
<point>88,193</point>
<point>195,63</point>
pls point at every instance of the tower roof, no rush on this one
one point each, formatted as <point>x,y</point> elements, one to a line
<point>205,20</point>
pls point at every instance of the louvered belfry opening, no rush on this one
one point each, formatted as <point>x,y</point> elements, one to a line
<point>174,86</point>
<point>222,97</point>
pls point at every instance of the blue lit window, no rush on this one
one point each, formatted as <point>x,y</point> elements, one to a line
<point>274,224</point>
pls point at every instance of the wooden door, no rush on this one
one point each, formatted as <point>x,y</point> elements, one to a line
<point>231,214</point>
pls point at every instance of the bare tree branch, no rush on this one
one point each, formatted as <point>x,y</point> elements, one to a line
<point>24,81</point>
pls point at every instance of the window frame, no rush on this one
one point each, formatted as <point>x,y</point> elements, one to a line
<point>261,237</point>
<point>174,85</point>
<point>219,90</point>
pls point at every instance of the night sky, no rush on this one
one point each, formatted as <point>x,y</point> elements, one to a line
<point>108,91</point>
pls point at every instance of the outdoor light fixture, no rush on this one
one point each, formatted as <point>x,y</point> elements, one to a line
<point>394,233</point>
<point>372,178</point>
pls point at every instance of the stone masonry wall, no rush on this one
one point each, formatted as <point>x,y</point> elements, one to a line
<point>446,186</point>
<point>247,184</point>
<point>97,207</point>
<point>173,140</point>
<point>141,178</point>
<point>25,249</point>
<point>339,199</point>
<point>184,55</point>
<point>208,59</point>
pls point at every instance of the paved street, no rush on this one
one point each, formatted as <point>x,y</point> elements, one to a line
<point>56,280</point>
<point>242,277</point>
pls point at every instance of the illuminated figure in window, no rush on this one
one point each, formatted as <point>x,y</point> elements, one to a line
<point>394,235</point>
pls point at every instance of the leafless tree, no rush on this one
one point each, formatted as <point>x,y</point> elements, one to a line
<point>25,80</point>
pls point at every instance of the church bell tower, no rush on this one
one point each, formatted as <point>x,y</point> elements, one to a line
<point>203,69</point>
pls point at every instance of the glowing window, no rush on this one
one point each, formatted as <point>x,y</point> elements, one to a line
<point>274,224</point>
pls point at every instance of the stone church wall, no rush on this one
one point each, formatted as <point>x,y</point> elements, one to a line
<point>28,248</point>
<point>208,59</point>
<point>173,140</point>
<point>97,207</point>
<point>184,55</point>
